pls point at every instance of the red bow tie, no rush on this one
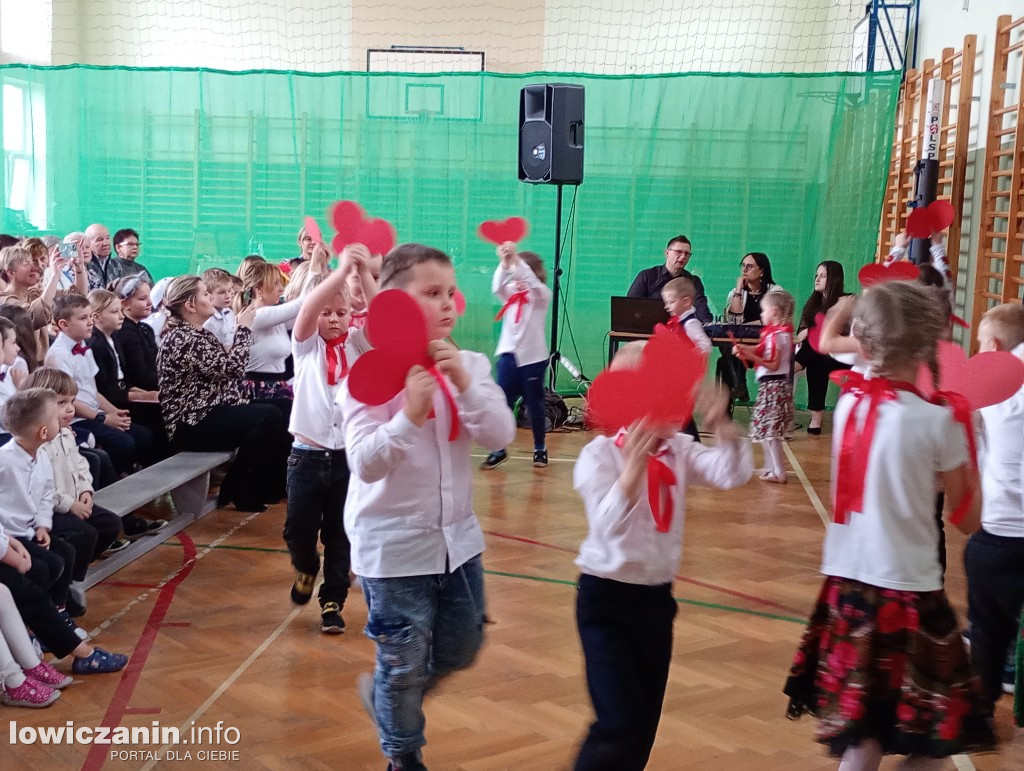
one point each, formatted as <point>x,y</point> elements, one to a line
<point>337,363</point>
<point>660,481</point>
<point>80,350</point>
<point>855,449</point>
<point>518,299</point>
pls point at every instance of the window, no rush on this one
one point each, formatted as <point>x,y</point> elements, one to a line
<point>26,28</point>
<point>24,159</point>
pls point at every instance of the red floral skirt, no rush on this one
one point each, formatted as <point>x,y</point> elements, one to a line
<point>773,411</point>
<point>887,665</point>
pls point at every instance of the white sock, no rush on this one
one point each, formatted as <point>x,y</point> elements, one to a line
<point>866,756</point>
<point>773,449</point>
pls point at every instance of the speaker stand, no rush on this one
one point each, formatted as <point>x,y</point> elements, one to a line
<point>555,358</point>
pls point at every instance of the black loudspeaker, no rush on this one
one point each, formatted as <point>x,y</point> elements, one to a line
<point>551,134</point>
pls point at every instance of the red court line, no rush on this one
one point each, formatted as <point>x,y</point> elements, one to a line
<point>684,579</point>
<point>118,707</point>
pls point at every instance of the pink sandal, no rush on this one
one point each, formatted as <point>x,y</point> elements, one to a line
<point>47,675</point>
<point>30,694</point>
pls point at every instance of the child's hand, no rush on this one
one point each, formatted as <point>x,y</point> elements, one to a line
<point>361,258</point>
<point>43,537</point>
<point>507,253</point>
<point>713,404</point>
<point>80,510</point>
<point>86,498</point>
<point>450,363</point>
<point>420,388</point>
<point>641,441</point>
<point>17,556</point>
<point>901,241</point>
<point>318,260</point>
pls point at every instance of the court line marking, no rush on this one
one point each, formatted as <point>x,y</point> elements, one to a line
<point>962,762</point>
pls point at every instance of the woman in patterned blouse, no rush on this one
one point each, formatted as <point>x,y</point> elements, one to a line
<point>203,400</point>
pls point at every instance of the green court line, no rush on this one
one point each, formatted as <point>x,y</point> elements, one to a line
<point>560,581</point>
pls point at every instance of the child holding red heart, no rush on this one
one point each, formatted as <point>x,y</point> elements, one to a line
<point>318,473</point>
<point>416,542</point>
<point>363,279</point>
<point>633,485</point>
<point>522,348</point>
<point>882,663</point>
<point>773,359</point>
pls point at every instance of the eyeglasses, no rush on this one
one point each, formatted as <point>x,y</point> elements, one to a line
<point>748,265</point>
<point>680,251</point>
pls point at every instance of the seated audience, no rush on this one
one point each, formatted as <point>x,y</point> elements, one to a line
<point>126,245</point>
<point>104,269</point>
<point>222,322</point>
<point>22,274</point>
<point>649,283</point>
<point>136,339</point>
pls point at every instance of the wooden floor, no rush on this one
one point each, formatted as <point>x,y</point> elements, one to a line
<point>217,639</point>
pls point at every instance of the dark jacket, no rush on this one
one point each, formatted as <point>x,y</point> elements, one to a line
<point>107,381</point>
<point>649,283</point>
<point>138,359</point>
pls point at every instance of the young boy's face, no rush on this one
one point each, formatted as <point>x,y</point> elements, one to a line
<point>49,423</point>
<point>334,318</point>
<point>10,350</point>
<point>220,294</point>
<point>78,326</point>
<point>65,410</point>
<point>986,339</point>
<point>432,284</point>
<point>676,304</point>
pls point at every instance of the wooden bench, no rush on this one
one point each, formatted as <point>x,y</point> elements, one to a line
<point>186,476</point>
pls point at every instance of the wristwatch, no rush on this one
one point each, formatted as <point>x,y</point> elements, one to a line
<point>101,416</point>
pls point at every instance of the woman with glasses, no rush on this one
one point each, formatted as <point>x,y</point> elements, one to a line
<point>743,306</point>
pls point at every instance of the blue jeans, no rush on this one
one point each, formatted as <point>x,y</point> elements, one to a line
<point>317,486</point>
<point>527,382</point>
<point>425,627</point>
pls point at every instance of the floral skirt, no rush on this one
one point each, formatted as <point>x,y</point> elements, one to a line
<point>773,411</point>
<point>887,665</point>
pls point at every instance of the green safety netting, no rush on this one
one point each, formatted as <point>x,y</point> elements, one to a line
<point>209,166</point>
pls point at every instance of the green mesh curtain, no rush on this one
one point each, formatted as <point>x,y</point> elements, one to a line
<point>209,166</point>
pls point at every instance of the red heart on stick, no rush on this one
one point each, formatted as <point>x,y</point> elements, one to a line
<point>984,379</point>
<point>498,232</point>
<point>876,273</point>
<point>933,218</point>
<point>662,388</point>
<point>354,227</point>
<point>397,330</point>
<point>313,231</point>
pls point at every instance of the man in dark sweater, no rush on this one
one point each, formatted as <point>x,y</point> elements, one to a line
<point>649,283</point>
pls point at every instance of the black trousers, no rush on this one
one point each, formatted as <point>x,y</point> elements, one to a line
<point>317,486</point>
<point>55,565</point>
<point>995,594</point>
<point>88,537</point>
<point>256,431</point>
<point>818,367</point>
<point>626,632</point>
<point>100,466</point>
<point>31,593</point>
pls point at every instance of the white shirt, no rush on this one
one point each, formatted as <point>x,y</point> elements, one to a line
<point>7,389</point>
<point>157,321</point>
<point>1002,511</point>
<point>81,367</point>
<point>314,414</point>
<point>222,324</point>
<point>26,491</point>
<point>409,510</point>
<point>623,542</point>
<point>4,542</point>
<point>779,346</point>
<point>524,339</point>
<point>694,330</point>
<point>271,343</point>
<point>894,542</point>
<point>71,475</point>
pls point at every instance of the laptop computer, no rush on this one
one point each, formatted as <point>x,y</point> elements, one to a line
<point>637,315</point>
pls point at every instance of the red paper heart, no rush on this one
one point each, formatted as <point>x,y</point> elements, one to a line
<point>933,218</point>
<point>498,232</point>
<point>354,227</point>
<point>876,273</point>
<point>661,388</point>
<point>814,333</point>
<point>984,379</point>
<point>397,330</point>
<point>313,231</point>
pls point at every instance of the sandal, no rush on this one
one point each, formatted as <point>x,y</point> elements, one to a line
<point>30,694</point>
<point>47,675</point>
<point>99,663</point>
<point>769,476</point>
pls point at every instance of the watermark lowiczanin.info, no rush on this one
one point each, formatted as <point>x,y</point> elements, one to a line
<point>134,736</point>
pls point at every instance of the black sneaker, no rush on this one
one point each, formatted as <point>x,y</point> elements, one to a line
<point>302,589</point>
<point>80,633</point>
<point>136,527</point>
<point>540,458</point>
<point>331,621</point>
<point>119,544</point>
<point>75,606</point>
<point>494,460</point>
<point>410,761</point>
